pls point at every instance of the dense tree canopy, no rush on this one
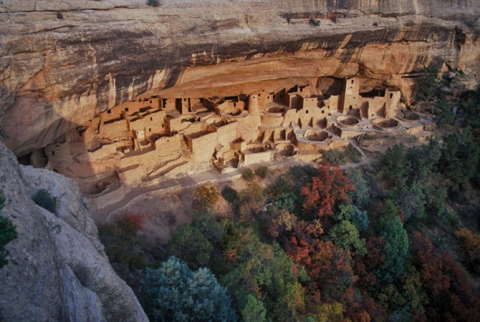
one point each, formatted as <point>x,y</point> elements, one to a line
<point>396,245</point>
<point>173,292</point>
<point>330,187</point>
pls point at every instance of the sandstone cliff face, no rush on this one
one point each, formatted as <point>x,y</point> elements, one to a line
<point>58,73</point>
<point>57,269</point>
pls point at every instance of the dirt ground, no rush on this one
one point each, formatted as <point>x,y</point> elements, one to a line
<point>165,213</point>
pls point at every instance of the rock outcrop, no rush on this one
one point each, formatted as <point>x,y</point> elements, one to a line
<point>57,268</point>
<point>62,62</point>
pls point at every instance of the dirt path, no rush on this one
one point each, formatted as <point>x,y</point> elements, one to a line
<point>212,175</point>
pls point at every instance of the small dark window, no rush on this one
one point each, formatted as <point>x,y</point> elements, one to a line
<point>234,104</point>
<point>151,119</point>
<point>391,95</point>
<point>352,81</point>
<point>149,130</point>
<point>109,112</point>
<point>259,95</point>
<point>323,112</point>
<point>307,111</point>
<point>126,109</point>
<point>53,152</point>
<point>268,97</point>
<point>350,107</point>
<point>150,101</point>
<point>184,99</point>
<point>163,126</point>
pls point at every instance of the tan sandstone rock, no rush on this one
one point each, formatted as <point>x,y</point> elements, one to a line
<point>58,73</point>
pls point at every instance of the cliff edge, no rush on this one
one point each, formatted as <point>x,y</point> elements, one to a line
<point>57,269</point>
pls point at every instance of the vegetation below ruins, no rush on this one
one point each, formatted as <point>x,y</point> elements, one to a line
<point>394,240</point>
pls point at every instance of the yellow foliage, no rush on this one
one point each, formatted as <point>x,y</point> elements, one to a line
<point>470,243</point>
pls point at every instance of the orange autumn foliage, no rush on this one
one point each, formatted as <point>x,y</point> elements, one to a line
<point>330,187</point>
<point>470,244</point>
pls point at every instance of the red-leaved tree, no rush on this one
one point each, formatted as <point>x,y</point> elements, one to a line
<point>451,297</point>
<point>330,187</point>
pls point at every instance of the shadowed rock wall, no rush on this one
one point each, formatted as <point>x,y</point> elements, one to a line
<point>57,269</point>
<point>57,73</point>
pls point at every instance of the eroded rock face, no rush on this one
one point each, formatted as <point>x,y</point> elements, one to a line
<point>57,269</point>
<point>58,71</point>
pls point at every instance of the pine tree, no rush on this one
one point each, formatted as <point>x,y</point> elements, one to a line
<point>175,293</point>
<point>396,245</point>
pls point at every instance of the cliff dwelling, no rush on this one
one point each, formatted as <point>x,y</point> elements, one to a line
<point>147,139</point>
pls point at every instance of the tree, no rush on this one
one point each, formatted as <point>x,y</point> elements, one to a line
<point>451,296</point>
<point>361,195</point>
<point>205,198</point>
<point>262,171</point>
<point>254,310</point>
<point>444,111</point>
<point>471,247</point>
<point>173,292</point>
<point>263,271</point>
<point>248,174</point>
<point>328,266</point>
<point>396,245</point>
<point>122,242</point>
<point>352,214</point>
<point>250,202</point>
<point>330,187</point>
<point>392,163</point>
<point>44,199</point>
<point>471,108</point>
<point>426,85</point>
<point>331,312</point>
<point>229,194</point>
<point>189,244</point>
<point>7,233</point>
<point>153,3</point>
<point>346,235</point>
<point>360,219</point>
<point>460,156</point>
<point>413,202</point>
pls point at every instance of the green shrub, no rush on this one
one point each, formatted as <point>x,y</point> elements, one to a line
<point>205,198</point>
<point>153,3</point>
<point>248,174</point>
<point>7,233</point>
<point>44,199</point>
<point>137,262</point>
<point>314,22</point>
<point>348,154</point>
<point>262,171</point>
<point>334,156</point>
<point>229,194</point>
<point>352,154</point>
